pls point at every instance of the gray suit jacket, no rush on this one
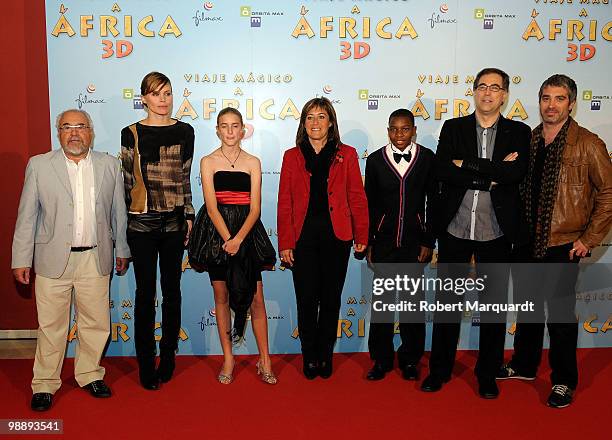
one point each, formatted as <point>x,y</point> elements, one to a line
<point>44,222</point>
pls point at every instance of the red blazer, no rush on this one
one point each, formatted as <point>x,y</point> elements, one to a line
<point>348,205</point>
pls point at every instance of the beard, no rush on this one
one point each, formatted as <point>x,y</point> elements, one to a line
<point>554,118</point>
<point>76,149</point>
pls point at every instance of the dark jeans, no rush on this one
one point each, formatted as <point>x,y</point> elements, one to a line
<point>145,248</point>
<point>412,334</point>
<point>492,328</point>
<point>554,284</point>
<point>319,272</point>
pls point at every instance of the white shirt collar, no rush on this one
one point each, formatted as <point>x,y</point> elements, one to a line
<point>86,160</point>
<point>410,148</point>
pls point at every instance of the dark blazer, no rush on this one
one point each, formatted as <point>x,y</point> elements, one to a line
<point>348,207</point>
<point>398,213</point>
<point>458,142</point>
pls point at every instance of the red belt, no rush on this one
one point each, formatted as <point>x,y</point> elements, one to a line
<point>233,197</point>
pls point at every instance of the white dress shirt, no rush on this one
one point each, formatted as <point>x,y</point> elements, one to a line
<point>84,204</point>
<point>402,166</point>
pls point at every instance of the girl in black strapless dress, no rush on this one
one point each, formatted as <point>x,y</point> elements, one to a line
<point>229,241</point>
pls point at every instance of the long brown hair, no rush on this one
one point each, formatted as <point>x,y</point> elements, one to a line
<point>333,135</point>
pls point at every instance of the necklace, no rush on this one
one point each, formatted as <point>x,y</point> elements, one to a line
<point>228,159</point>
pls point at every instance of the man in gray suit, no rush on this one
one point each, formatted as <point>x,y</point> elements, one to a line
<point>71,214</point>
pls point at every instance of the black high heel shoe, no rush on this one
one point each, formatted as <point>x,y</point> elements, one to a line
<point>147,374</point>
<point>150,383</point>
<point>166,367</point>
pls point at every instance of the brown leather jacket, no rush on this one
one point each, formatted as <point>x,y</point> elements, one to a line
<point>583,208</point>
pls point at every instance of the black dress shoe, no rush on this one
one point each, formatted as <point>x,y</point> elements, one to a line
<point>311,369</point>
<point>377,372</point>
<point>410,372</point>
<point>41,401</point>
<point>487,388</point>
<point>325,369</point>
<point>98,388</point>
<point>166,367</point>
<point>433,383</point>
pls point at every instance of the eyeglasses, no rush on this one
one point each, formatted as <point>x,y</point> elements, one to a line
<point>494,88</point>
<point>402,130</point>
<point>66,128</point>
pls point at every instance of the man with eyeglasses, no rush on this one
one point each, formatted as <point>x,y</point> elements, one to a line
<point>72,214</point>
<point>567,198</point>
<point>399,184</point>
<point>481,159</point>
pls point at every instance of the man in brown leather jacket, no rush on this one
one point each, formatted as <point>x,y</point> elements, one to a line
<point>567,200</point>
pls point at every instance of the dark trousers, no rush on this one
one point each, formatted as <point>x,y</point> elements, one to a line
<point>554,284</point>
<point>492,328</point>
<point>319,272</point>
<point>146,247</point>
<point>412,334</point>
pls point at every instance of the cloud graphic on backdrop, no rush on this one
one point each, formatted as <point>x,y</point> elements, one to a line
<point>249,131</point>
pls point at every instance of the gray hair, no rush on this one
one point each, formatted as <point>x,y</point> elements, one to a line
<point>560,80</point>
<point>83,112</point>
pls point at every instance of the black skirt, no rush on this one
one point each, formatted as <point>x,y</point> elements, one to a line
<point>256,253</point>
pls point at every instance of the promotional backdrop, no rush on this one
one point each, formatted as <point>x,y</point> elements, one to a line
<point>267,58</point>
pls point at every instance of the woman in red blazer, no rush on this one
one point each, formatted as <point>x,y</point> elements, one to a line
<point>322,210</point>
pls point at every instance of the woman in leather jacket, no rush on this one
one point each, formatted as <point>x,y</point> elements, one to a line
<point>156,154</point>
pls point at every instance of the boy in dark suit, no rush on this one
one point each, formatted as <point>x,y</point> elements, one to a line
<point>399,178</point>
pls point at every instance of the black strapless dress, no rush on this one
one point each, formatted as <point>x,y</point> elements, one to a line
<point>241,271</point>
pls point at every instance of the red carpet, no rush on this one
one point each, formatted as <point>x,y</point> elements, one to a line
<point>346,406</point>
